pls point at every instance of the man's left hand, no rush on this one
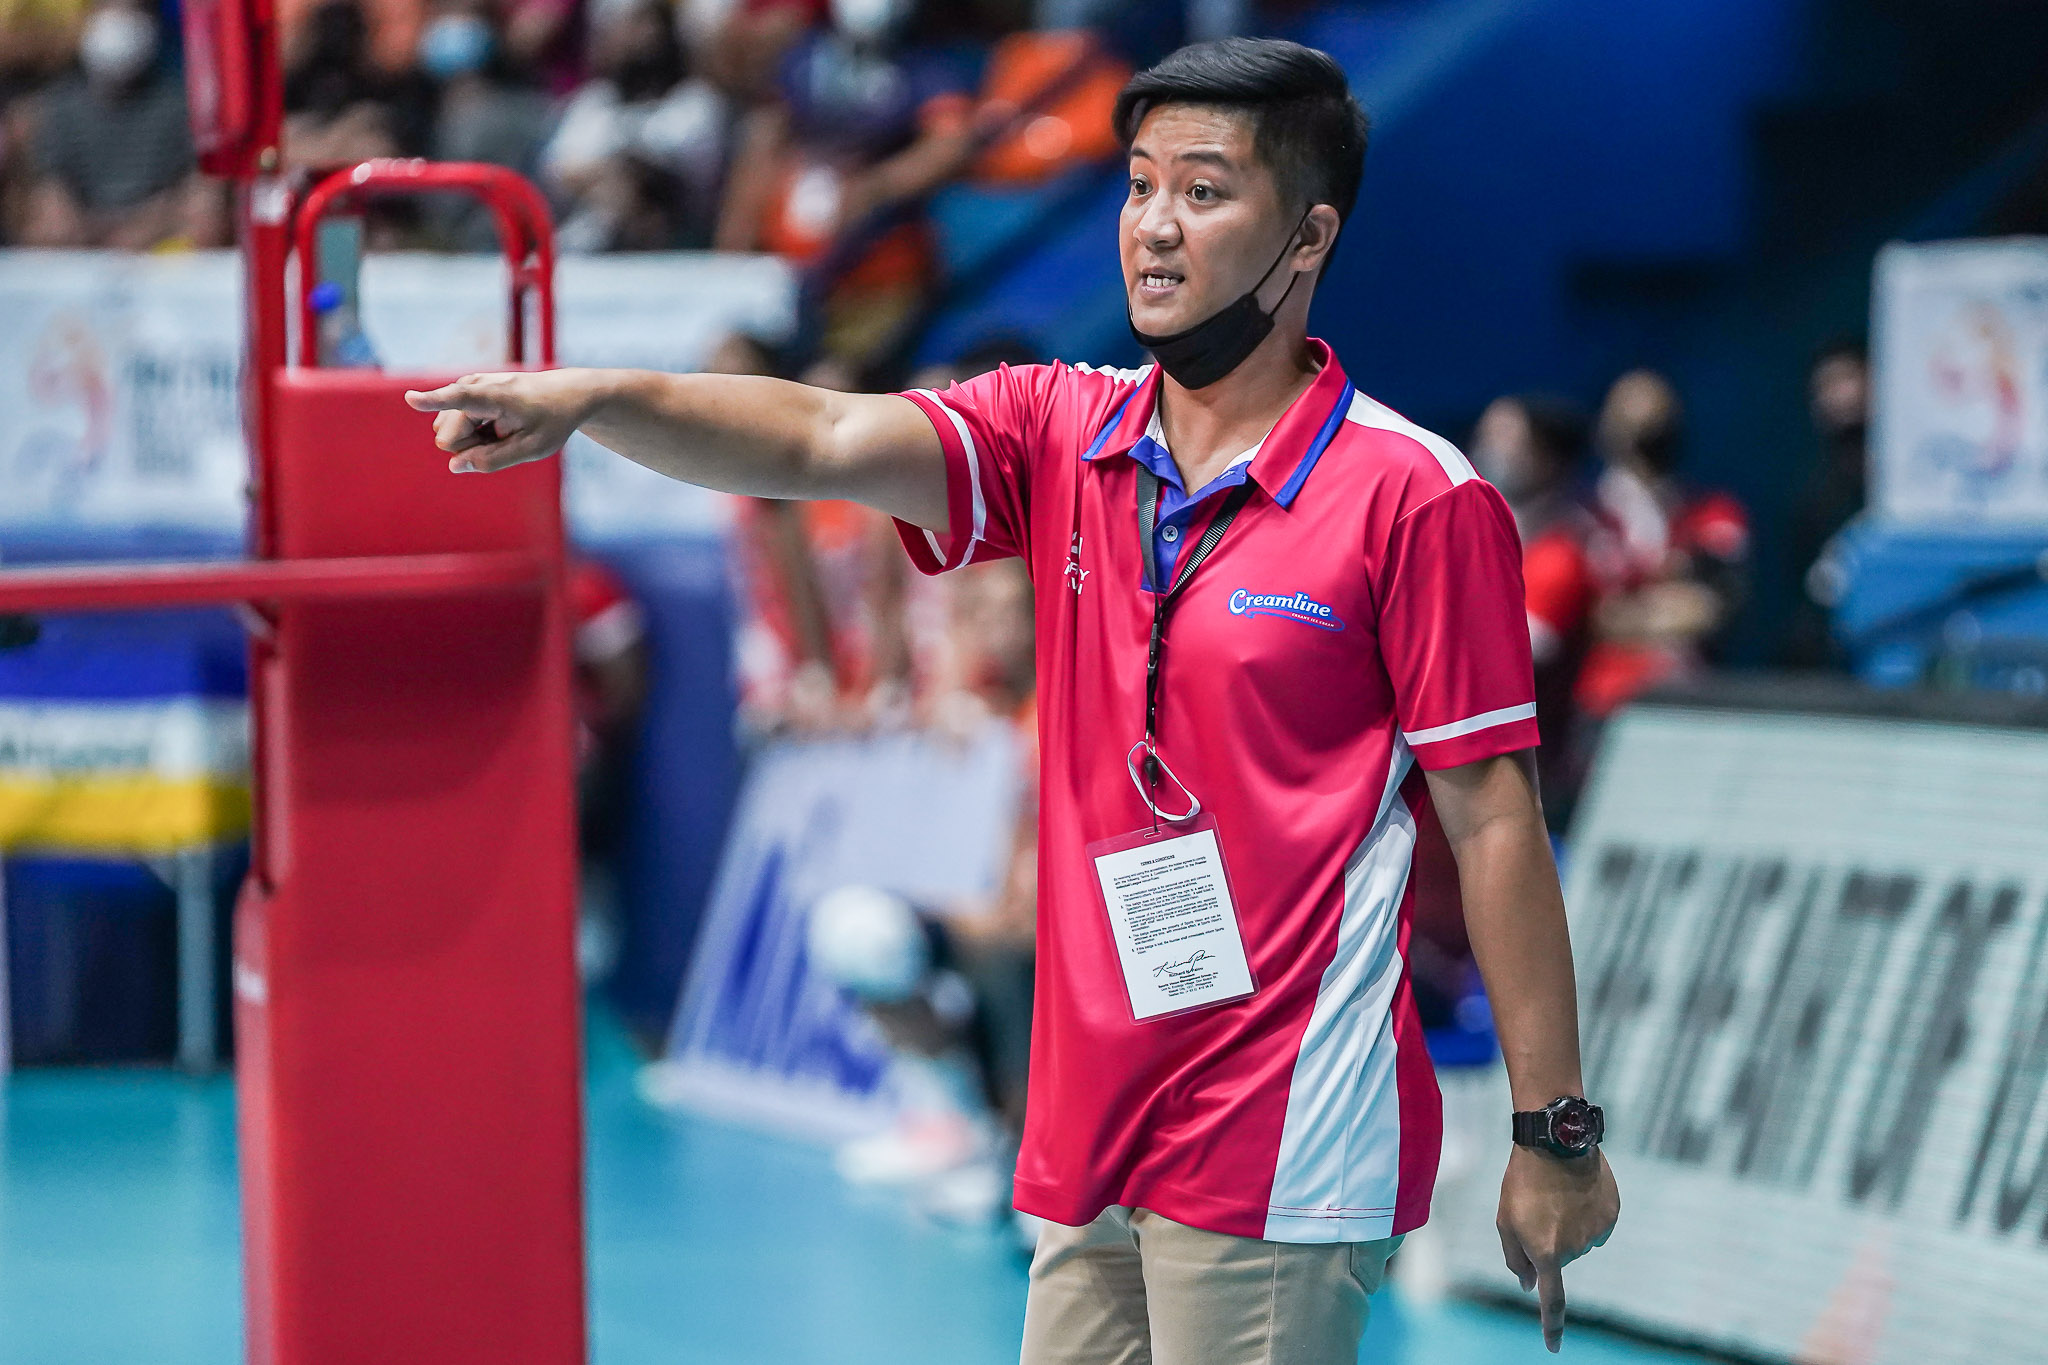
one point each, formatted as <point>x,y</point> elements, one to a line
<point>1554,1210</point>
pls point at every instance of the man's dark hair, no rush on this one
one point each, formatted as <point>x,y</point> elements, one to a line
<point>1305,125</point>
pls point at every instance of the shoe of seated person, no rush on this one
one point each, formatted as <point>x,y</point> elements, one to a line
<point>973,1195</point>
<point>920,1146</point>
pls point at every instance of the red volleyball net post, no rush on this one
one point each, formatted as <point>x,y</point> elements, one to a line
<point>404,980</point>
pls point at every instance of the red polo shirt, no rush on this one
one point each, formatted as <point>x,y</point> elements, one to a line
<point>1362,620</point>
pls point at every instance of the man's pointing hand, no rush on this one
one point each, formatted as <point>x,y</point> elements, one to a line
<point>489,422</point>
<point>1551,1213</point>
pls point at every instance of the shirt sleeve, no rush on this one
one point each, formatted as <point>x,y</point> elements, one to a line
<point>988,427</point>
<point>1454,632</point>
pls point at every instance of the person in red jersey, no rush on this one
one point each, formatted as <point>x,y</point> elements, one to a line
<point>1281,650</point>
<point>1672,559</point>
<point>1529,447</point>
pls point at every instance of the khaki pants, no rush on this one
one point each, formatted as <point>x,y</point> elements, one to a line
<point>1133,1288</point>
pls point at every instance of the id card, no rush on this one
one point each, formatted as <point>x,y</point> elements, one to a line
<point>1173,918</point>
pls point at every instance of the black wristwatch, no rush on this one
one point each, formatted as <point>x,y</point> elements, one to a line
<point>1566,1127</point>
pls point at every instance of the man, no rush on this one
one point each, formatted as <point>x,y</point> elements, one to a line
<point>1231,1120</point>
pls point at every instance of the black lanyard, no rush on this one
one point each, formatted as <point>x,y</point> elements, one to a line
<point>1148,516</point>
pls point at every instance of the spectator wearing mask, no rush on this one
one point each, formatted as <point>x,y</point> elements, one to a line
<point>1672,559</point>
<point>482,110</point>
<point>1530,446</point>
<point>1838,400</point>
<point>641,145</point>
<point>113,147</point>
<point>866,126</point>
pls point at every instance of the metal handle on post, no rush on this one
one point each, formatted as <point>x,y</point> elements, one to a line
<point>525,232</point>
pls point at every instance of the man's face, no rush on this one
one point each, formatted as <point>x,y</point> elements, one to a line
<point>1203,218</point>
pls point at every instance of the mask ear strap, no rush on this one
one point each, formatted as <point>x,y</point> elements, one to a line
<point>1293,241</point>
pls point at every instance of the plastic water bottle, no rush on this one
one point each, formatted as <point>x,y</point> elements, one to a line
<point>342,342</point>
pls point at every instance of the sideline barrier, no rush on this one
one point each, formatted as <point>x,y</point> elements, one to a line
<point>756,1035</point>
<point>1812,929</point>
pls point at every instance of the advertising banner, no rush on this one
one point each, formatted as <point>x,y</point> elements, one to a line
<point>757,1035</point>
<point>1813,973</point>
<point>1960,432</point>
<point>119,379</point>
<point>124,735</point>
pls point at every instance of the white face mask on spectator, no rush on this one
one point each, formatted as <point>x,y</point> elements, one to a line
<point>867,21</point>
<point>118,44</point>
<point>455,45</point>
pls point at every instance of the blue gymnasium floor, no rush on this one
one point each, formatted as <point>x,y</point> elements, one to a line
<point>710,1245</point>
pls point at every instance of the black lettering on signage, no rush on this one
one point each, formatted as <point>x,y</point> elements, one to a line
<point>1771,1089</point>
<point>1929,1029</point>
<point>1630,894</point>
<point>2015,1102</point>
<point>1867,916</point>
<point>1672,1127</point>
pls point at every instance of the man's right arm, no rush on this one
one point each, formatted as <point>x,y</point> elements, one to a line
<point>766,438</point>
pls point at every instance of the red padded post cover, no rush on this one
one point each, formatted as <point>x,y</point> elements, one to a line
<point>405,987</point>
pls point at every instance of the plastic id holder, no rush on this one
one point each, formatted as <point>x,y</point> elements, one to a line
<point>1173,918</point>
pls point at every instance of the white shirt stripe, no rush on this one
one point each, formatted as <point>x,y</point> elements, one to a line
<point>980,517</point>
<point>1136,376</point>
<point>1370,412</point>
<point>1485,720</point>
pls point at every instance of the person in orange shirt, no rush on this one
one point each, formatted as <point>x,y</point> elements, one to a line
<point>865,126</point>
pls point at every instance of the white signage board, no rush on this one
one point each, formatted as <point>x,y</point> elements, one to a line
<point>1813,972</point>
<point>119,373</point>
<point>1960,429</point>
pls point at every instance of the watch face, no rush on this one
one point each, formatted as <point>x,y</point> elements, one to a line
<point>1571,1127</point>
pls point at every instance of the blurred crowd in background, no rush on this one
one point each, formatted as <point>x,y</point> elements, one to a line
<point>817,131</point>
<point>790,126</point>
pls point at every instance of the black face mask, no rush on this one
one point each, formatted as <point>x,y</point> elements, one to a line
<point>1198,356</point>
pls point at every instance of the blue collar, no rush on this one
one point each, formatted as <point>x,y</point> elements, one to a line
<point>1308,426</point>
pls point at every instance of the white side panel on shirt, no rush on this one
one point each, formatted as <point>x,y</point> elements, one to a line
<point>1370,412</point>
<point>1339,1168</point>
